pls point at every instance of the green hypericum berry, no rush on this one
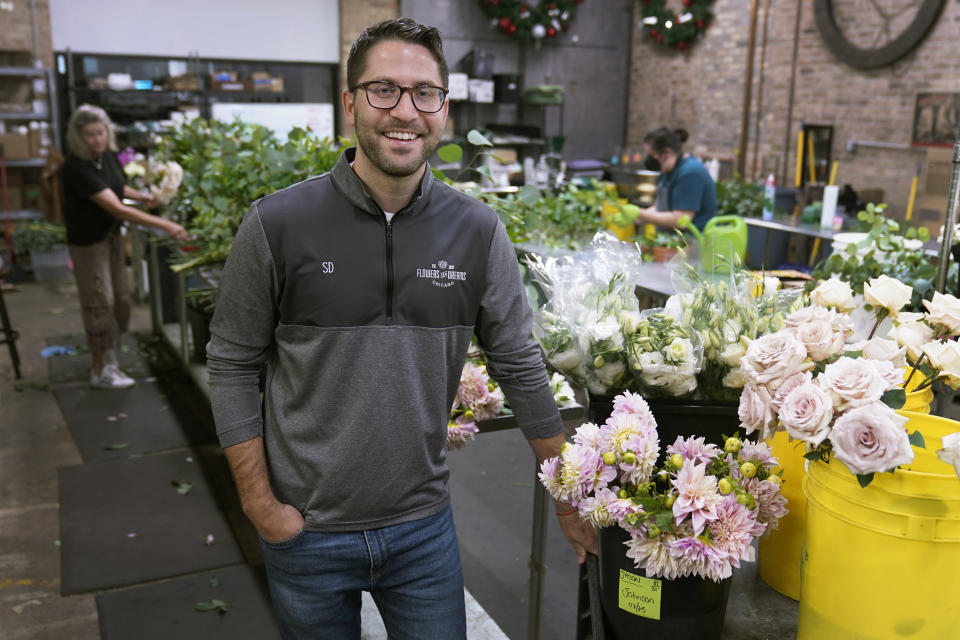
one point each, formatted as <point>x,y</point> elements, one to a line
<point>732,445</point>
<point>468,414</point>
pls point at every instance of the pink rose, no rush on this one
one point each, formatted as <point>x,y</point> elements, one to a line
<point>813,313</point>
<point>884,349</point>
<point>857,382</point>
<point>789,385</point>
<point>806,413</point>
<point>871,439</point>
<point>756,411</point>
<point>773,358</point>
<point>820,339</point>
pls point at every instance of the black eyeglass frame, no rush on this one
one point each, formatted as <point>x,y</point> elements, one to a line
<point>365,85</point>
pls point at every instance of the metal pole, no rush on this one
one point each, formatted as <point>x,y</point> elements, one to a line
<point>182,309</point>
<point>788,133</point>
<point>538,552</point>
<point>953,201</point>
<point>153,276</point>
<point>747,92</point>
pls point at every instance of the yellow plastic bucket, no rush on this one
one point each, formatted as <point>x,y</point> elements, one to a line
<point>778,557</point>
<point>883,562</point>
<point>917,401</point>
<point>607,211</point>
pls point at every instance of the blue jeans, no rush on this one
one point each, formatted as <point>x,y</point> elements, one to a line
<point>412,570</point>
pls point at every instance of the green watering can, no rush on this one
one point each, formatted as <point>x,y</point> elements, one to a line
<point>724,241</point>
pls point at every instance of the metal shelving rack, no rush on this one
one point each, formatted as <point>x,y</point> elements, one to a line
<point>19,116</point>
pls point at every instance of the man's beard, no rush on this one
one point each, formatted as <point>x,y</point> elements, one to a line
<point>372,143</point>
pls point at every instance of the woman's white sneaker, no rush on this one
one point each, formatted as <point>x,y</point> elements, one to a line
<point>111,378</point>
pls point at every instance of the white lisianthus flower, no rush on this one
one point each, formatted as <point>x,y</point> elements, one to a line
<point>944,310</point>
<point>134,170</point>
<point>734,379</point>
<point>912,335</point>
<point>629,321</point>
<point>950,453</point>
<point>806,413</point>
<point>562,391</point>
<point>889,293</point>
<point>609,372</point>
<point>567,360</point>
<point>871,439</point>
<point>945,357</point>
<point>607,328</point>
<point>651,360</point>
<point>732,353</point>
<point>681,384</point>
<point>834,293</point>
<point>679,351</point>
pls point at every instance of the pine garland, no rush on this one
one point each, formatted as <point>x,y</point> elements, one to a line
<point>676,29</point>
<point>531,21</point>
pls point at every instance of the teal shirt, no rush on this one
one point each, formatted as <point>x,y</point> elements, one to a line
<point>688,187</point>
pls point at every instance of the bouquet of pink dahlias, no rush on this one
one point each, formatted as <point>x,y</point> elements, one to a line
<point>478,398</point>
<point>838,398</point>
<point>697,514</point>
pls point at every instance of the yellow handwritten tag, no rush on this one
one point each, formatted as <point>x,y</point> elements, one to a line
<point>640,596</point>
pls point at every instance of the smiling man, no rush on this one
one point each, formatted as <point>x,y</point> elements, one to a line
<point>359,291</point>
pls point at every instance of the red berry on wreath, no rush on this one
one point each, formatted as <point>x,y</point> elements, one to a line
<point>653,33</point>
<point>699,23</point>
<point>512,28</point>
<point>504,23</point>
<point>659,38</point>
<point>551,32</point>
<point>683,45</point>
<point>687,3</point>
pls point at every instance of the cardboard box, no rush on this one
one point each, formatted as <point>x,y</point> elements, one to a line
<point>232,85</point>
<point>183,82</point>
<point>15,146</point>
<point>35,139</point>
<point>480,90</point>
<point>262,81</point>
<point>459,87</point>
<point>14,198</point>
<point>223,76</point>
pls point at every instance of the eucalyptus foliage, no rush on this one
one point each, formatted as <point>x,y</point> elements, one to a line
<point>226,167</point>
<point>888,256</point>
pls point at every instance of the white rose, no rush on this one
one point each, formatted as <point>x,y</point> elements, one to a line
<point>734,379</point>
<point>756,412</point>
<point>912,336</point>
<point>772,358</point>
<point>855,382</point>
<point>889,293</point>
<point>950,453</point>
<point>820,339</point>
<point>791,383</point>
<point>883,349</point>
<point>834,293</point>
<point>732,353</point>
<point>813,313</point>
<point>806,413</point>
<point>945,357</point>
<point>944,310</point>
<point>871,439</point>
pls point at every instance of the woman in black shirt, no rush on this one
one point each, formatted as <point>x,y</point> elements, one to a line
<point>94,187</point>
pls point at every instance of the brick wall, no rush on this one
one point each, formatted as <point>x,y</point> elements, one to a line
<point>702,90</point>
<point>354,18</point>
<point>16,33</point>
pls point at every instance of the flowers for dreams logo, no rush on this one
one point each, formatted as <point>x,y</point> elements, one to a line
<point>442,274</point>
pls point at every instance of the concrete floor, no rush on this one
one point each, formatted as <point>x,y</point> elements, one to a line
<point>491,484</point>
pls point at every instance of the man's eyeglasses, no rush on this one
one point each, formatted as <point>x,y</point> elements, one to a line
<point>386,95</point>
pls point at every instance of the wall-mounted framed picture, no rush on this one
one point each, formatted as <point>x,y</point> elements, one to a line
<point>936,118</point>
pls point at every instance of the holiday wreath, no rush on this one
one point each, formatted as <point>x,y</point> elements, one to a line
<point>676,29</point>
<point>531,23</point>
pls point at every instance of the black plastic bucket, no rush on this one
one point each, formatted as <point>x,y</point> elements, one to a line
<point>690,608</point>
<point>679,418</point>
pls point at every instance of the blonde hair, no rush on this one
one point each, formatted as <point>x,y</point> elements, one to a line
<point>84,115</point>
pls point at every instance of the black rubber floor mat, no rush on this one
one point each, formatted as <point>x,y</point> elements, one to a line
<point>124,522</point>
<point>119,423</point>
<point>168,609</point>
<point>76,366</point>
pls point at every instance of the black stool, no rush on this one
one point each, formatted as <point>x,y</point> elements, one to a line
<point>9,334</point>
